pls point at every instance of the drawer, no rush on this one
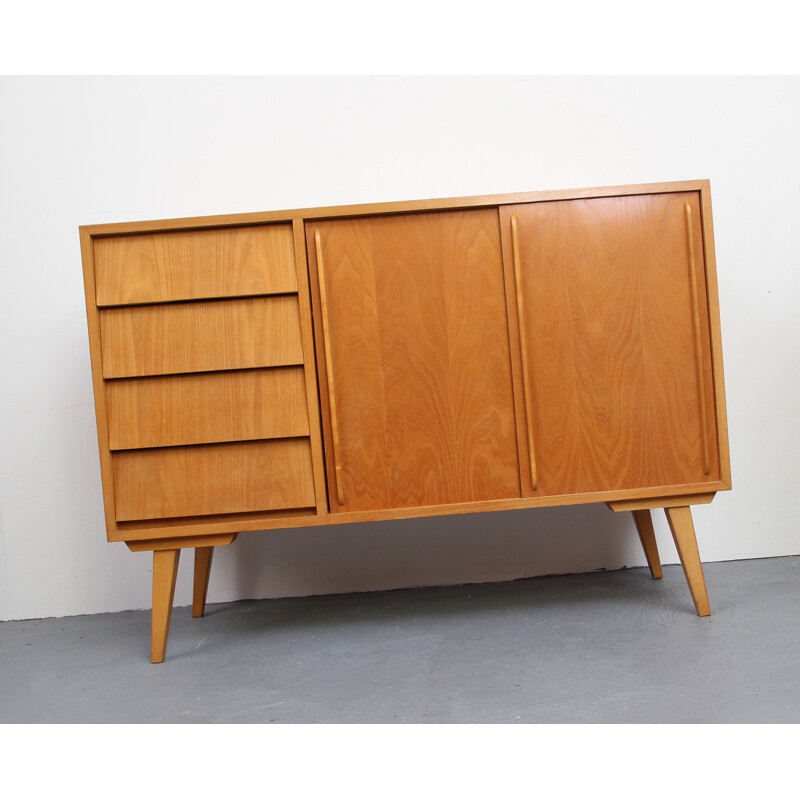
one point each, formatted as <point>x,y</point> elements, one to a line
<point>187,265</point>
<point>200,336</point>
<point>209,407</point>
<point>213,479</point>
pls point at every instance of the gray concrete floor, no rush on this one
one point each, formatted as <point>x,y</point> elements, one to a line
<point>609,647</point>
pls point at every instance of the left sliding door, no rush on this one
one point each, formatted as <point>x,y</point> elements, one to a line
<point>415,375</point>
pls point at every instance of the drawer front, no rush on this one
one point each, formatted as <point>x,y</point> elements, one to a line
<point>213,407</point>
<point>200,337</point>
<point>213,479</point>
<point>186,265</point>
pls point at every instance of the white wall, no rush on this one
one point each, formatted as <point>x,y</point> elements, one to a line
<point>89,150</point>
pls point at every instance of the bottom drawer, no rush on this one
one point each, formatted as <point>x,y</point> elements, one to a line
<point>213,479</point>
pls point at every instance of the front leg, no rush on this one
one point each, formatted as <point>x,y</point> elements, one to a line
<point>165,572</point>
<point>682,527</point>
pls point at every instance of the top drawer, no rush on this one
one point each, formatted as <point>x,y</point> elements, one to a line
<point>195,264</point>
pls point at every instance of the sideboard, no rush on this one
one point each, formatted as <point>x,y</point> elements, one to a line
<point>370,362</point>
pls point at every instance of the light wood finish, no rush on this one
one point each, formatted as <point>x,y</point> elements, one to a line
<point>302,518</point>
<point>182,542</point>
<point>199,337</point>
<point>202,572</point>
<point>205,408</point>
<point>186,265</point>
<point>326,337</point>
<point>526,381</point>
<point>213,479</point>
<point>698,336</point>
<point>309,365</point>
<point>425,408</point>
<point>611,343</point>
<point>475,365</point>
<point>661,502</point>
<point>682,527</point>
<point>647,536</point>
<point>165,572</point>
<point>101,414</point>
<point>712,300</point>
<point>405,206</point>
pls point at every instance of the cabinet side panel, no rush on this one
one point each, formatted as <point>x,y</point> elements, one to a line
<point>420,367</point>
<point>709,251</point>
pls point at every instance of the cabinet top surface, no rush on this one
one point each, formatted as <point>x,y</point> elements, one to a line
<point>287,215</point>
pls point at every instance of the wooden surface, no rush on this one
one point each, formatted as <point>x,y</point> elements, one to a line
<point>165,573</point>
<point>712,299</point>
<point>181,542</point>
<point>476,354</point>
<point>207,407</point>
<point>682,527</point>
<point>196,337</point>
<point>639,504</point>
<point>213,479</point>
<point>610,337</point>
<point>98,384</point>
<point>202,572</point>
<point>91,236</point>
<point>420,369</point>
<point>309,365</point>
<point>185,265</point>
<point>140,530</point>
<point>647,536</point>
<point>401,207</point>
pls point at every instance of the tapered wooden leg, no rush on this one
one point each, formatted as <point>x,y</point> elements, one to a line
<point>202,570</point>
<point>647,536</point>
<point>680,523</point>
<point>165,571</point>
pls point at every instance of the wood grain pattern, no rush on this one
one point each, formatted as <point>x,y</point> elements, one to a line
<point>165,573</point>
<point>682,527</point>
<point>326,337</point>
<point>98,385</point>
<point>523,347</point>
<point>201,336</point>
<point>715,342</point>
<point>205,526</point>
<point>665,501</point>
<point>310,366</point>
<point>698,337</point>
<point>647,536</point>
<point>207,407</point>
<point>186,265</point>
<point>421,369</point>
<point>203,557</point>
<point>213,479</point>
<point>611,343</point>
<point>401,207</point>
<point>181,542</point>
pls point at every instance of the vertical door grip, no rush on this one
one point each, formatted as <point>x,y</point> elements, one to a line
<point>524,351</point>
<point>698,352</point>
<point>329,372</point>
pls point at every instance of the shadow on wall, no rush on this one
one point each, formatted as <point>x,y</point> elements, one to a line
<point>440,551</point>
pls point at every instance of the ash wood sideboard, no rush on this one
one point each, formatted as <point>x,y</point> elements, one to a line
<point>345,364</point>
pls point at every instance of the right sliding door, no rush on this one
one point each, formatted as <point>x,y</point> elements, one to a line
<point>611,341</point>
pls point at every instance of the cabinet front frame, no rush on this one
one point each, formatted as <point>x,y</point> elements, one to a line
<point>188,527</point>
